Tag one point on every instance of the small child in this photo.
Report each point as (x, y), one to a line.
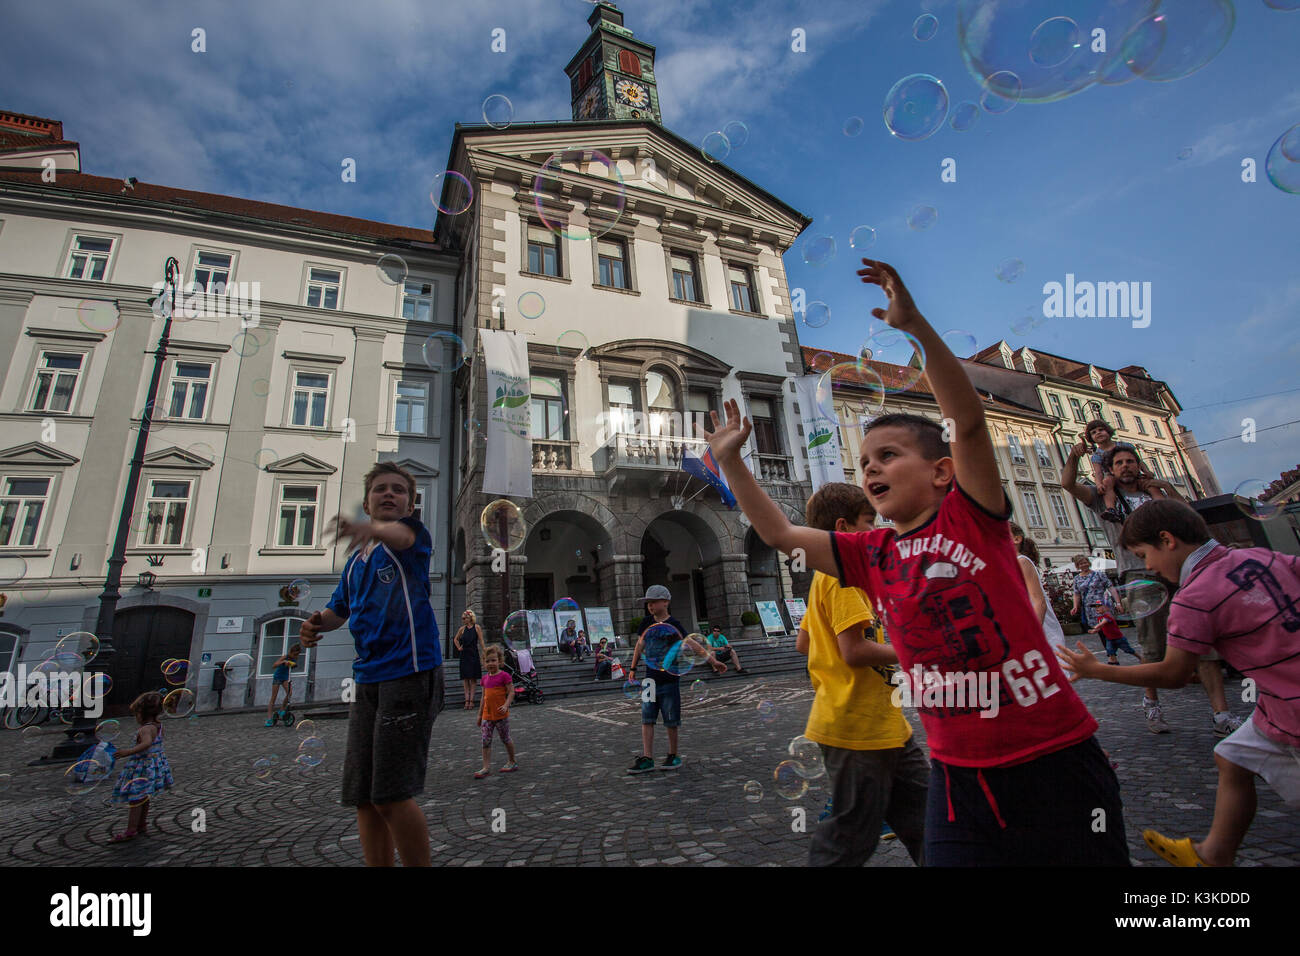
(1016, 774)
(280, 678)
(147, 771)
(1112, 638)
(494, 715)
(1101, 439)
(1245, 604)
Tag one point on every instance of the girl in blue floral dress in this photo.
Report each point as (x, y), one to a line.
(147, 770)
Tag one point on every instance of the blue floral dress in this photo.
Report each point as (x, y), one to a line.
(144, 774)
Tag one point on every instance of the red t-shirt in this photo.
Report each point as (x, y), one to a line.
(1110, 630)
(954, 602)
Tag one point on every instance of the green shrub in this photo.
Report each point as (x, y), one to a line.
(750, 618)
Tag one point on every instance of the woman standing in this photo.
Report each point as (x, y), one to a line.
(1091, 588)
(1034, 585)
(469, 644)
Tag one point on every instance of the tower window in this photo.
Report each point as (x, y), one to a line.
(629, 62)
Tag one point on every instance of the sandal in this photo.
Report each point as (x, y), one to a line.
(124, 836)
(1177, 852)
(510, 768)
(480, 774)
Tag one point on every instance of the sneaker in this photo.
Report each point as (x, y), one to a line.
(269, 722)
(509, 768)
(827, 810)
(741, 670)
(642, 764)
(1156, 720)
(887, 832)
(1225, 723)
(671, 762)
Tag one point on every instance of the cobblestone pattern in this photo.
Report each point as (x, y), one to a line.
(571, 802)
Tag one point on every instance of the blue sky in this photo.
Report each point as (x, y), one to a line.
(1091, 184)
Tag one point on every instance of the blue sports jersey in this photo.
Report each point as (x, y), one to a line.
(385, 599)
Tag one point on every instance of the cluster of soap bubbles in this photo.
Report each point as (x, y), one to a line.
(311, 749)
(889, 361)
(717, 145)
(793, 777)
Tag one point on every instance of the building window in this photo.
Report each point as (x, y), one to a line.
(88, 258)
(1155, 428)
(1056, 405)
(1032, 514)
(278, 636)
(1141, 428)
(549, 420)
(1078, 410)
(629, 62)
(661, 400)
(1017, 455)
(1059, 513)
(1174, 474)
(1119, 421)
(417, 301)
(1094, 411)
(310, 398)
(742, 288)
(323, 288)
(21, 508)
(543, 251)
(164, 512)
(417, 509)
(1040, 448)
(297, 516)
(765, 436)
(410, 408)
(699, 403)
(622, 407)
(212, 272)
(1155, 466)
(189, 391)
(56, 381)
(611, 258)
(684, 278)
(8, 652)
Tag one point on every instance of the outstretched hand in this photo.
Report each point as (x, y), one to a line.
(726, 440)
(358, 534)
(1079, 664)
(902, 311)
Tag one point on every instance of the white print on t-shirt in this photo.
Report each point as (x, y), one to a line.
(954, 551)
(964, 692)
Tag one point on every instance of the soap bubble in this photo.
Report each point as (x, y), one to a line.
(443, 351)
(1185, 153)
(632, 691)
(13, 568)
(1251, 497)
(107, 730)
(1009, 270)
(532, 305)
(299, 590)
(925, 27)
(392, 269)
(179, 703)
(900, 350)
(515, 629)
(1283, 161)
(822, 361)
(959, 342)
(1195, 33)
(238, 668)
(753, 791)
(922, 217)
(807, 756)
(503, 525)
(176, 673)
(306, 728)
(1001, 92)
(573, 167)
(681, 658)
(81, 643)
(565, 604)
(700, 690)
(817, 314)
(311, 751)
(789, 782)
(766, 711)
(1140, 598)
(498, 111)
(85, 775)
(262, 768)
(853, 126)
(737, 133)
(715, 146)
(1054, 41)
(818, 250)
(1140, 48)
(459, 193)
(846, 390)
(916, 106)
(571, 339)
(861, 237)
(137, 791)
(659, 642)
(964, 116)
(98, 316)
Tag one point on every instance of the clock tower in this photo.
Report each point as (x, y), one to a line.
(613, 76)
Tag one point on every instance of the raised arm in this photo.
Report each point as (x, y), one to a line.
(395, 534)
(1070, 476)
(973, 457)
(769, 521)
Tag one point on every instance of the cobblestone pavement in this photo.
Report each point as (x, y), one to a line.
(571, 802)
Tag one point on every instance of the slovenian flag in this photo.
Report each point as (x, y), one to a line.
(706, 469)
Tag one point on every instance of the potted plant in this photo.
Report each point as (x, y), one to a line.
(750, 626)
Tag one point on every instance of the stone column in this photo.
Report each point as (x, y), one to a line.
(735, 584)
(628, 591)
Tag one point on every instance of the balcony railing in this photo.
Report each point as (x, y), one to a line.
(658, 452)
(553, 455)
(772, 467)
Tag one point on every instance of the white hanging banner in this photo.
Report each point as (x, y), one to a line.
(509, 466)
(819, 435)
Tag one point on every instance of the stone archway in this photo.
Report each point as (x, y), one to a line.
(682, 550)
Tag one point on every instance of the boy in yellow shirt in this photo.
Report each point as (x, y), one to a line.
(877, 772)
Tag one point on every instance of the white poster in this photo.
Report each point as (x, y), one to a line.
(600, 623)
(819, 434)
(509, 466)
(796, 608)
(541, 628)
(770, 615)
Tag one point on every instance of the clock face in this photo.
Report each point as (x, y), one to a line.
(632, 93)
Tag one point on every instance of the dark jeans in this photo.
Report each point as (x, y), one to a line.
(867, 787)
(1063, 809)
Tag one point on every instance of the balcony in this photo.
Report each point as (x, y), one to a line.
(772, 467)
(549, 456)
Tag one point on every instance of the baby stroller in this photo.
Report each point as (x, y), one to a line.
(520, 667)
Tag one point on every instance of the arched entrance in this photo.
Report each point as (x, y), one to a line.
(144, 637)
(676, 548)
(565, 552)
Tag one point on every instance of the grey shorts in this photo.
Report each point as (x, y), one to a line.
(388, 738)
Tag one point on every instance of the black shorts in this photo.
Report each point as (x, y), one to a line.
(388, 738)
(1061, 809)
(723, 654)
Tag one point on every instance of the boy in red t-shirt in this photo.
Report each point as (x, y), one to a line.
(1016, 776)
(1112, 638)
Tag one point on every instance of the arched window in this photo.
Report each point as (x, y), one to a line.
(661, 403)
(629, 62)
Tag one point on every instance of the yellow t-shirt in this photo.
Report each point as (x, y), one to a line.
(852, 708)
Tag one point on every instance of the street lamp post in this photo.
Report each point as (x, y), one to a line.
(81, 733)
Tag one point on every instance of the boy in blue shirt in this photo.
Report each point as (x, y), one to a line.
(383, 596)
